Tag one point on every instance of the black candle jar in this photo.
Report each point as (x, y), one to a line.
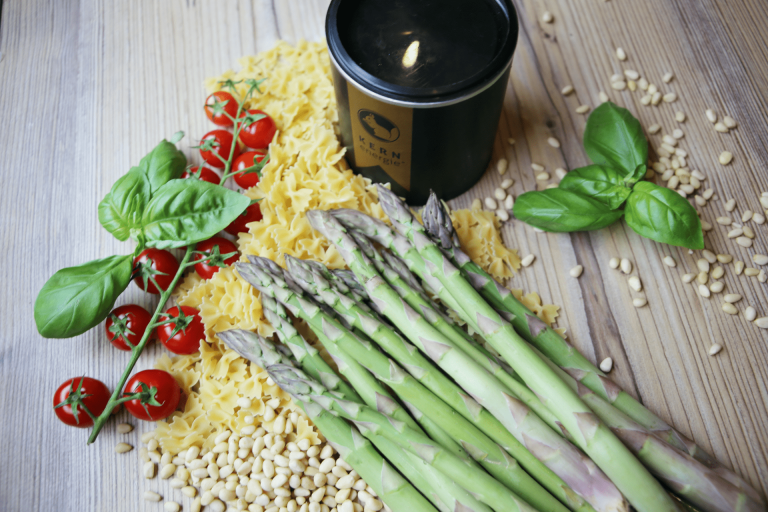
(420, 86)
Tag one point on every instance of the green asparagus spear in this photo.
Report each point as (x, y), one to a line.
(389, 485)
(438, 224)
(475, 480)
(420, 400)
(581, 475)
(603, 447)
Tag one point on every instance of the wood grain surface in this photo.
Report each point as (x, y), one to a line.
(87, 88)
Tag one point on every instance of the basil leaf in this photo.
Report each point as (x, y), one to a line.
(661, 214)
(614, 138)
(75, 299)
(600, 183)
(184, 212)
(162, 164)
(562, 210)
(121, 209)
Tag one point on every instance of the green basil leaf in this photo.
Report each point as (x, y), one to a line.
(600, 183)
(614, 138)
(121, 209)
(636, 176)
(184, 212)
(561, 211)
(661, 214)
(75, 299)
(162, 164)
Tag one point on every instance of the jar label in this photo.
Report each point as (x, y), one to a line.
(381, 135)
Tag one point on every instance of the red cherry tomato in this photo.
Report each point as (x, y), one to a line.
(156, 265)
(157, 399)
(219, 142)
(72, 397)
(207, 269)
(217, 105)
(258, 134)
(201, 173)
(187, 339)
(132, 322)
(240, 224)
(244, 161)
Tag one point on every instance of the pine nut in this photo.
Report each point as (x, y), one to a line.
(477, 204)
(149, 470)
(680, 116)
(124, 428)
(688, 189)
(682, 193)
(670, 97)
(734, 233)
(639, 302)
(668, 174)
(668, 139)
(730, 309)
(502, 214)
(668, 77)
(123, 448)
(718, 272)
(706, 226)
(576, 271)
(643, 84)
(583, 109)
(602, 97)
(547, 17)
(687, 278)
(738, 267)
(509, 202)
(747, 216)
(699, 176)
(758, 218)
(568, 89)
(725, 221)
(619, 86)
(542, 176)
(760, 259)
(732, 298)
(726, 157)
(750, 313)
(526, 262)
(631, 74)
(751, 272)
(673, 182)
(709, 255)
(654, 128)
(152, 496)
(717, 287)
(614, 263)
(707, 194)
(499, 194)
(764, 201)
(720, 127)
(677, 133)
(704, 291)
(490, 203)
(724, 258)
(551, 185)
(711, 116)
(744, 241)
(537, 167)
(606, 365)
(670, 261)
(553, 142)
(511, 141)
(762, 276)
(626, 266)
(621, 54)
(703, 265)
(635, 284)
(762, 322)
(748, 232)
(508, 182)
(171, 506)
(730, 205)
(560, 172)
(700, 201)
(715, 349)
(501, 166)
(616, 77)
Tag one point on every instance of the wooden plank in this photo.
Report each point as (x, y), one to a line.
(89, 87)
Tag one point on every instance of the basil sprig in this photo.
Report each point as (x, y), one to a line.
(155, 208)
(592, 197)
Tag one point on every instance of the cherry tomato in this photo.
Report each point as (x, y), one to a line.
(244, 161)
(220, 142)
(127, 322)
(258, 134)
(224, 246)
(219, 103)
(239, 225)
(187, 338)
(75, 395)
(154, 266)
(201, 173)
(156, 399)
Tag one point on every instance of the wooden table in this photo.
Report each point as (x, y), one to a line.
(87, 88)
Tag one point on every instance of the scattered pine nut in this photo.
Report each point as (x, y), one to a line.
(553, 142)
(500, 194)
(654, 128)
(668, 77)
(735, 233)
(688, 278)
(748, 232)
(124, 428)
(718, 272)
(639, 302)
(670, 97)
(542, 176)
(702, 277)
(560, 172)
(758, 218)
(709, 255)
(746, 216)
(149, 470)
(732, 298)
(123, 448)
(501, 166)
(635, 284)
(750, 313)
(621, 54)
(583, 109)
(477, 204)
(738, 267)
(568, 89)
(725, 221)
(724, 258)
(751, 272)
(606, 365)
(619, 86)
(626, 266)
(547, 17)
(715, 349)
(730, 309)
(490, 203)
(760, 259)
(729, 122)
(726, 157)
(717, 287)
(152, 496)
(526, 262)
(614, 263)
(703, 265)
(577, 271)
(721, 128)
(171, 506)
(762, 276)
(602, 97)
(509, 202)
(744, 241)
(700, 201)
(704, 291)
(762, 322)
(764, 201)
(508, 182)
(189, 491)
(537, 167)
(646, 100)
(711, 116)
(670, 261)
(502, 214)
(511, 141)
(631, 74)
(700, 176)
(680, 116)
(643, 84)
(551, 185)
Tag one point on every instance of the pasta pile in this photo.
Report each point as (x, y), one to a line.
(306, 170)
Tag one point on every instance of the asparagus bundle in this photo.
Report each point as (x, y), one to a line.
(390, 486)
(558, 455)
(482, 485)
(640, 488)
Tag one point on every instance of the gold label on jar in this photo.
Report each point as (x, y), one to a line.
(381, 135)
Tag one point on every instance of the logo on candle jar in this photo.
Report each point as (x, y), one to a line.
(378, 126)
